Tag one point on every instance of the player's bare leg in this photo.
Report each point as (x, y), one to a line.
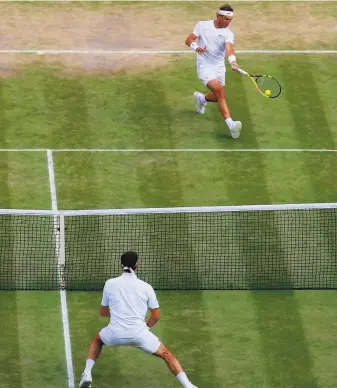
(218, 91)
(171, 361)
(218, 94)
(94, 352)
(174, 366)
(210, 97)
(95, 348)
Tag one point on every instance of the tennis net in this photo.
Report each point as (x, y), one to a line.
(205, 248)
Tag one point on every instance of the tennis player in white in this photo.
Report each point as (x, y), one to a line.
(213, 40)
(126, 300)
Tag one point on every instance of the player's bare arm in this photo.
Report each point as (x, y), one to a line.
(154, 317)
(191, 42)
(230, 52)
(104, 311)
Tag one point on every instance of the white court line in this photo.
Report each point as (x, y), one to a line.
(155, 52)
(149, 1)
(25, 150)
(93, 150)
(197, 150)
(63, 295)
(52, 184)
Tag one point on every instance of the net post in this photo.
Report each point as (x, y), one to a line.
(62, 255)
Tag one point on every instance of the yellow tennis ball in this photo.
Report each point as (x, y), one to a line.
(267, 92)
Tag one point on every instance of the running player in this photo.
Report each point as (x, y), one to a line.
(213, 40)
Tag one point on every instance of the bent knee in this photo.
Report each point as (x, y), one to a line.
(215, 86)
(98, 339)
(167, 355)
(164, 353)
(218, 90)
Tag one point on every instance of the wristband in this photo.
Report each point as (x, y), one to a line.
(194, 46)
(231, 58)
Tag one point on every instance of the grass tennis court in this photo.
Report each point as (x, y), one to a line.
(43, 108)
(246, 339)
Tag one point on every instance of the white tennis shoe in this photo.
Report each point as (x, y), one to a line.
(235, 130)
(86, 380)
(200, 106)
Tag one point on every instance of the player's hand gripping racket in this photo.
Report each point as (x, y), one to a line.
(267, 85)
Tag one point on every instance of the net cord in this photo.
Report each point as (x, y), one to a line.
(202, 209)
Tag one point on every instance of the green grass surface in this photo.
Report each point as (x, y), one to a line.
(241, 339)
(44, 108)
(32, 346)
(193, 179)
(223, 339)
(24, 181)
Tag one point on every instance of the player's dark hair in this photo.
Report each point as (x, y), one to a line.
(226, 7)
(129, 259)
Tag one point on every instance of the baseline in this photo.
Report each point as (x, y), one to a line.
(93, 150)
(150, 1)
(154, 52)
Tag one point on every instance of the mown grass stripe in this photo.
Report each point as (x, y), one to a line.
(160, 182)
(305, 104)
(41, 353)
(4, 162)
(10, 361)
(276, 345)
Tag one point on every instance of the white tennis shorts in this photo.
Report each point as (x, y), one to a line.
(206, 74)
(147, 342)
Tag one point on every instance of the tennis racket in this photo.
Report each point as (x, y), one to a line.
(267, 85)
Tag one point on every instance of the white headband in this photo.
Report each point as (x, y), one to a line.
(225, 13)
(125, 268)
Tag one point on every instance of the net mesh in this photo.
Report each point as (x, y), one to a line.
(218, 250)
(293, 249)
(28, 252)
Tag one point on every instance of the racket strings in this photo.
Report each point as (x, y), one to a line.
(267, 83)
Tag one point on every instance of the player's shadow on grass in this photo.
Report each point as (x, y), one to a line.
(220, 129)
(222, 135)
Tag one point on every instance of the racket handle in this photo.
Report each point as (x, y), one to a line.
(242, 72)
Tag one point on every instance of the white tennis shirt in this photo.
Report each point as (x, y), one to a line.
(214, 40)
(129, 299)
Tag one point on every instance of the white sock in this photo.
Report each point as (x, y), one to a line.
(202, 98)
(89, 365)
(184, 380)
(229, 122)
